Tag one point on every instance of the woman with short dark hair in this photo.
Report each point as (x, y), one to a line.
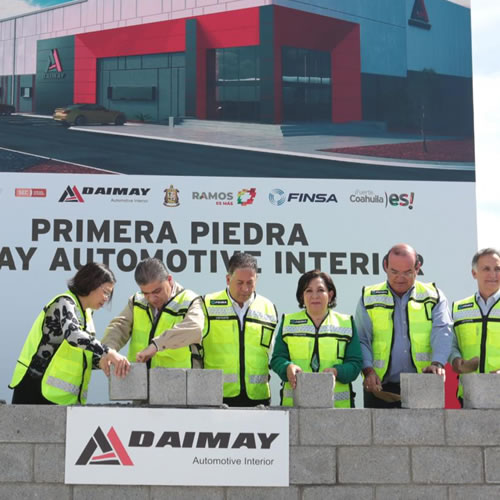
(56, 361)
(317, 339)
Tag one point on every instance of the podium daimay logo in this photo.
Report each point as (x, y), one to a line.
(111, 450)
(71, 195)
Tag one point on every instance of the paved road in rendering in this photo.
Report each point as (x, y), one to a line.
(129, 155)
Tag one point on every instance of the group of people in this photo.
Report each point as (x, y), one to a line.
(401, 325)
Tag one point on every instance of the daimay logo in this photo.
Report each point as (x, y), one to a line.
(278, 197)
(54, 66)
(111, 450)
(246, 196)
(419, 17)
(121, 193)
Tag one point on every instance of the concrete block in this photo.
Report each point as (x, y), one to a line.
(312, 465)
(32, 424)
(92, 492)
(476, 492)
(481, 390)
(16, 462)
(293, 427)
(290, 493)
(204, 387)
(14, 491)
(314, 390)
(332, 428)
(186, 493)
(374, 464)
(168, 386)
(422, 390)
(49, 463)
(492, 465)
(408, 427)
(411, 492)
(133, 387)
(472, 427)
(447, 465)
(338, 492)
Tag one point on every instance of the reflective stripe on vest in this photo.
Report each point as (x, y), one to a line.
(379, 303)
(222, 348)
(70, 367)
(329, 341)
(477, 335)
(144, 329)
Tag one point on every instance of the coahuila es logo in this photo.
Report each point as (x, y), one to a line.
(112, 451)
(122, 194)
(388, 199)
(278, 197)
(54, 67)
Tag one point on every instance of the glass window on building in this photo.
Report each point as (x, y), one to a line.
(306, 85)
(233, 84)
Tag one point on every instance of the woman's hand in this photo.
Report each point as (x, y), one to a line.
(291, 373)
(120, 363)
(146, 354)
(331, 370)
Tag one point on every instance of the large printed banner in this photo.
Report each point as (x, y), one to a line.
(53, 224)
(176, 447)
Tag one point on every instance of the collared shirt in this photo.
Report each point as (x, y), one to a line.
(241, 311)
(401, 361)
(485, 307)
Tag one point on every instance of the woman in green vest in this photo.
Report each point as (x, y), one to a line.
(57, 358)
(317, 339)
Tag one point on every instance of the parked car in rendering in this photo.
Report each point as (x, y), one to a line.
(7, 109)
(83, 114)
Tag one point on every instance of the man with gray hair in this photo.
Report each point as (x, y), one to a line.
(164, 321)
(404, 326)
(476, 320)
(239, 327)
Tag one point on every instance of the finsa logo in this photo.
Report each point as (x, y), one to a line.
(54, 67)
(112, 451)
(71, 194)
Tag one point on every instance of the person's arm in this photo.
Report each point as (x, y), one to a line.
(456, 361)
(119, 330)
(281, 356)
(188, 331)
(441, 334)
(349, 369)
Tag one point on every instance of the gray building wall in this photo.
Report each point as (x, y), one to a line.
(341, 454)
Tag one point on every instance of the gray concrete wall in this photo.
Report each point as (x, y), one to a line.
(341, 454)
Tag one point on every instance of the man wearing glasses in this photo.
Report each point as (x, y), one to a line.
(404, 326)
(164, 321)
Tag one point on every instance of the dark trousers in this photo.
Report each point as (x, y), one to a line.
(29, 392)
(371, 401)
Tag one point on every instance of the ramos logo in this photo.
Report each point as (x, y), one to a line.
(246, 196)
(112, 451)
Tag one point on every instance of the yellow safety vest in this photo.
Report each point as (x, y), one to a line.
(145, 328)
(477, 335)
(329, 342)
(243, 355)
(67, 377)
(379, 303)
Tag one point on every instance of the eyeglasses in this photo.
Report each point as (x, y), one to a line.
(406, 274)
(107, 293)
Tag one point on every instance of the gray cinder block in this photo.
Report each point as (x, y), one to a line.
(314, 390)
(204, 387)
(481, 390)
(133, 387)
(422, 390)
(168, 386)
